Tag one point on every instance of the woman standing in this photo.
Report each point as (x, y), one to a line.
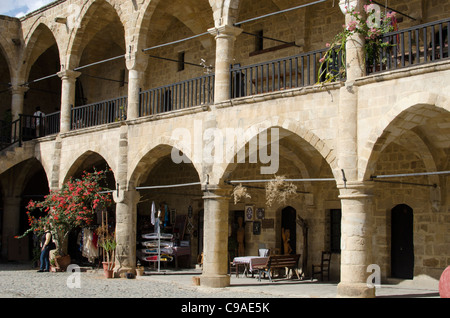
(45, 251)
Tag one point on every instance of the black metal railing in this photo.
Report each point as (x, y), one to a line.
(290, 72)
(100, 113)
(27, 127)
(52, 123)
(421, 44)
(193, 92)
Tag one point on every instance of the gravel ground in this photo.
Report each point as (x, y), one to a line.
(20, 281)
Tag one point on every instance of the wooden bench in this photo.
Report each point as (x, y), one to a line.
(279, 261)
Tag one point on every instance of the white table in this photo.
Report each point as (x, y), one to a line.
(248, 262)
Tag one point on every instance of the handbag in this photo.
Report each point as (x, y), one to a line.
(52, 245)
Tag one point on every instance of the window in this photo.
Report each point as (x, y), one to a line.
(335, 230)
(181, 61)
(259, 41)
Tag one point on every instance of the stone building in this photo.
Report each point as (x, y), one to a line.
(179, 93)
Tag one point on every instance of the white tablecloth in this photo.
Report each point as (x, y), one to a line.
(250, 261)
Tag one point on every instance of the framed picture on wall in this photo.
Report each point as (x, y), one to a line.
(256, 228)
(260, 213)
(249, 212)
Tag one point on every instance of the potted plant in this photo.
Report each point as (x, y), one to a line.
(108, 243)
(74, 205)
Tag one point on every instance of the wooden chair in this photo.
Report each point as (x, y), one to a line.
(324, 267)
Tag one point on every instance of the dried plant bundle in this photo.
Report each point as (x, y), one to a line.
(279, 191)
(239, 193)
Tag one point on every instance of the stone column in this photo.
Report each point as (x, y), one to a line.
(348, 101)
(356, 234)
(67, 97)
(134, 85)
(126, 220)
(356, 241)
(136, 65)
(355, 57)
(18, 94)
(225, 37)
(11, 225)
(215, 247)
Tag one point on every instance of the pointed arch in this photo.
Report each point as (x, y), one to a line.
(298, 141)
(40, 39)
(148, 158)
(87, 161)
(406, 117)
(94, 16)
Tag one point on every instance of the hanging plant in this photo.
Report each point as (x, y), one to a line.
(280, 191)
(240, 193)
(372, 28)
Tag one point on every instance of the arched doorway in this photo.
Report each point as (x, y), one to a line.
(402, 245)
(288, 223)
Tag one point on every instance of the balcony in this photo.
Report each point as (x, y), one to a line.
(418, 45)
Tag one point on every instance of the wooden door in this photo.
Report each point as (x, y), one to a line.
(402, 246)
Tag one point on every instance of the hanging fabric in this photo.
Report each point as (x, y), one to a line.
(90, 248)
(152, 213)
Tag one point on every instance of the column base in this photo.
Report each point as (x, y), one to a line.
(217, 281)
(355, 290)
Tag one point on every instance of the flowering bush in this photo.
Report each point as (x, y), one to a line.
(72, 206)
(371, 28)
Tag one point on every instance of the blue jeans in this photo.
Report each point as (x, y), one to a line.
(45, 259)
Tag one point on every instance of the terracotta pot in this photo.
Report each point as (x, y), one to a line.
(108, 270)
(63, 262)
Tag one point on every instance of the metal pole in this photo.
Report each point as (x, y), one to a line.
(177, 41)
(288, 180)
(410, 174)
(278, 12)
(169, 186)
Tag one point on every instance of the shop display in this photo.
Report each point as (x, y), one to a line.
(159, 247)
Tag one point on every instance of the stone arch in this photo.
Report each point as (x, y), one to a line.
(189, 12)
(406, 115)
(87, 160)
(19, 156)
(10, 54)
(228, 12)
(287, 127)
(149, 157)
(39, 40)
(81, 35)
(15, 178)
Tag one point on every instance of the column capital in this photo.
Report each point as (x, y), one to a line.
(225, 31)
(18, 89)
(136, 61)
(217, 192)
(69, 74)
(355, 190)
(126, 196)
